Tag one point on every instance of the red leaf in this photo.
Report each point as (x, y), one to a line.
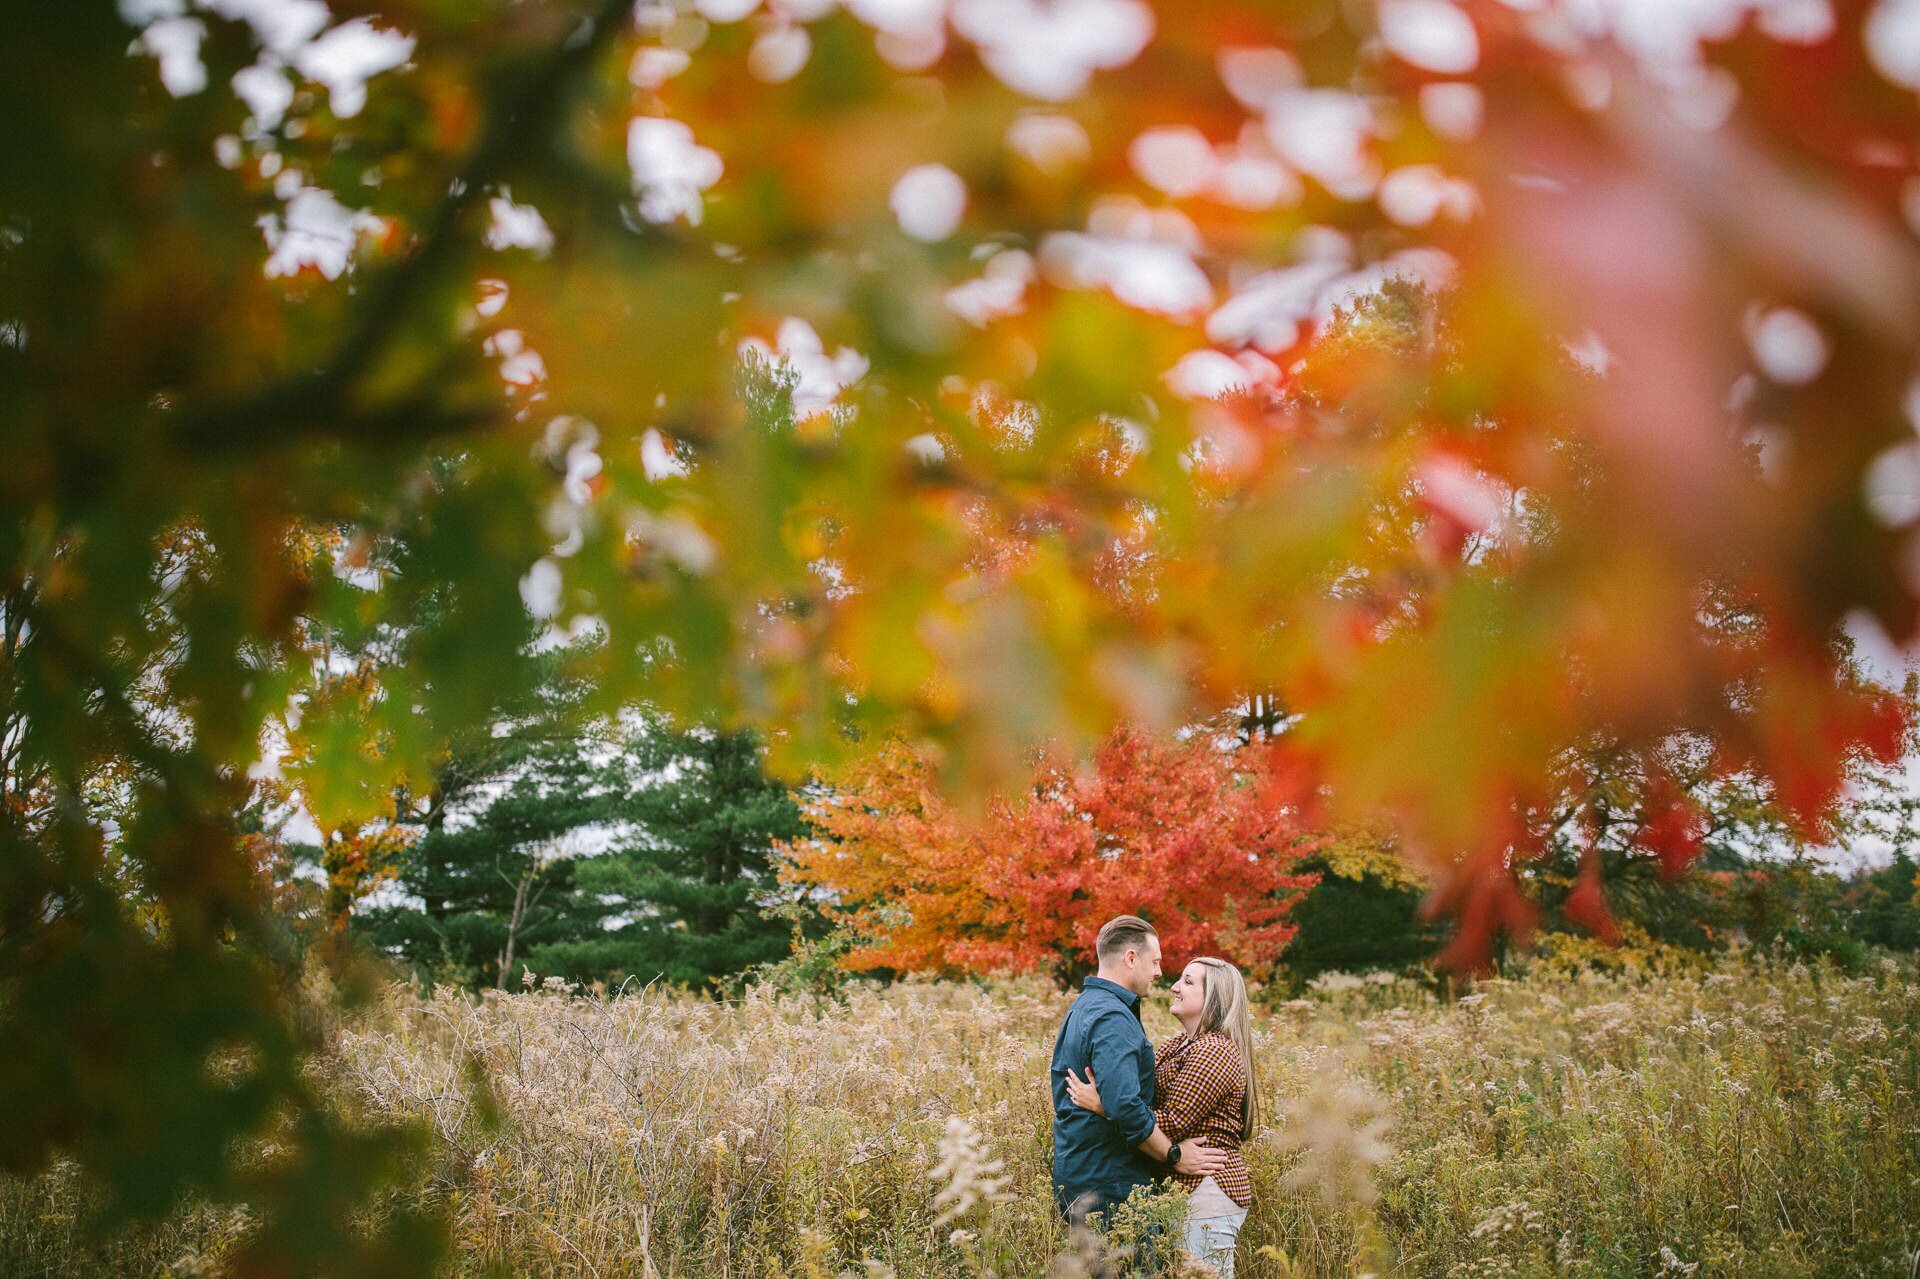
(1881, 726)
(1482, 895)
(1671, 828)
(1587, 906)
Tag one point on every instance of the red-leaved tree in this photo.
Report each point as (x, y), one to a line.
(1176, 831)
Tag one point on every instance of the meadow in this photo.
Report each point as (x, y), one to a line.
(1758, 1117)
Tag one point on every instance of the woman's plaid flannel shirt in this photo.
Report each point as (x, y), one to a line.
(1200, 1089)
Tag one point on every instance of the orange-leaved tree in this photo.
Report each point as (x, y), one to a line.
(1176, 830)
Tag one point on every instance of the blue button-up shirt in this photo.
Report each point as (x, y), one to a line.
(1092, 1154)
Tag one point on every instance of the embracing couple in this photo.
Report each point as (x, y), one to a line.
(1125, 1115)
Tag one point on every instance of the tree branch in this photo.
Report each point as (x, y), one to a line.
(321, 400)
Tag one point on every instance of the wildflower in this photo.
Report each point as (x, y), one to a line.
(969, 1175)
(816, 1253)
(1518, 1217)
(1338, 1129)
(1670, 1263)
(1335, 983)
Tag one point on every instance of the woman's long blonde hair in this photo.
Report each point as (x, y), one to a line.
(1224, 1009)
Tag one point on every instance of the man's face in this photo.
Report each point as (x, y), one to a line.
(1143, 967)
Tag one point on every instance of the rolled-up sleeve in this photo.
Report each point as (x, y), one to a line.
(1117, 1048)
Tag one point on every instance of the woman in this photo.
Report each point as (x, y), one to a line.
(1205, 1087)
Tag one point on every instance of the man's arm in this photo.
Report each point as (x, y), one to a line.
(1196, 1157)
(1114, 1044)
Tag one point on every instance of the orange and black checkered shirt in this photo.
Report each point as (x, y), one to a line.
(1200, 1089)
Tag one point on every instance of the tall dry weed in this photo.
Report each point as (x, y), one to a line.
(1761, 1119)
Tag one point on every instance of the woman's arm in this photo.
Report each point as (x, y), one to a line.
(1085, 1093)
(1197, 1158)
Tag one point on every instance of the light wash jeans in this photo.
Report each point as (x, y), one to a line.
(1210, 1240)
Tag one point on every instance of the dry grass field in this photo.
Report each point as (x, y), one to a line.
(1759, 1118)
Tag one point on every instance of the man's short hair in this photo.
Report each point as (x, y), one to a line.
(1121, 934)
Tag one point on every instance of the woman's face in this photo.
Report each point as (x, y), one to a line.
(1190, 991)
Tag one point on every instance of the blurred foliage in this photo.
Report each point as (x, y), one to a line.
(315, 381)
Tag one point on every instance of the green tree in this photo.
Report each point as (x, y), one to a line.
(685, 891)
(1364, 914)
(598, 852)
(1883, 903)
(1694, 851)
(493, 876)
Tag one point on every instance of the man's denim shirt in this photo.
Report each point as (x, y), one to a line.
(1102, 1030)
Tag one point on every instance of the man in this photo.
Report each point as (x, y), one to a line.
(1098, 1160)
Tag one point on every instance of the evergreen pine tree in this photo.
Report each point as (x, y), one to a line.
(686, 888)
(491, 877)
(597, 852)
(1884, 902)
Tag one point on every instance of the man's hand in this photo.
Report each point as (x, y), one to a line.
(1197, 1159)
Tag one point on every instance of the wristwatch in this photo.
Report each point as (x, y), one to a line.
(1173, 1155)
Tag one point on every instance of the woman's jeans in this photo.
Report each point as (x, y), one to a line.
(1210, 1241)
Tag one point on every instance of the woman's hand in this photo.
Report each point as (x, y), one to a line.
(1084, 1093)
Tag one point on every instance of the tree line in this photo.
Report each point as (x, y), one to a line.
(633, 851)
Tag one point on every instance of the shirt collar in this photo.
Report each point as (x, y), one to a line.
(1127, 997)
